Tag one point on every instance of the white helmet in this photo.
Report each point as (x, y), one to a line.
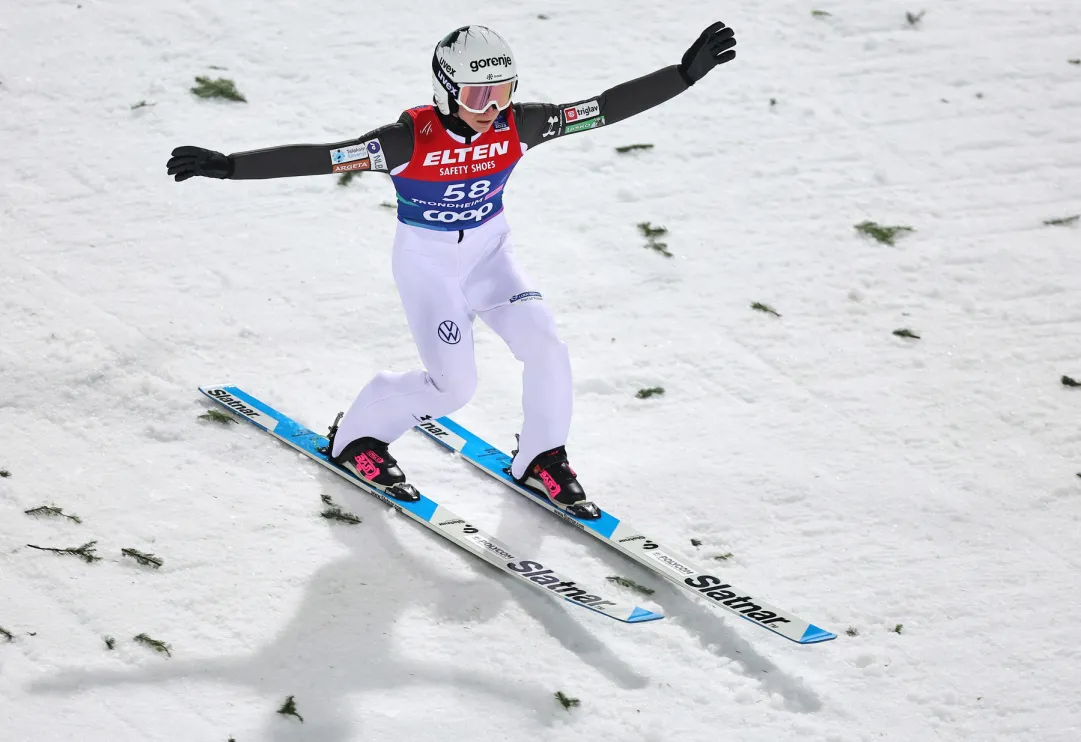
(470, 55)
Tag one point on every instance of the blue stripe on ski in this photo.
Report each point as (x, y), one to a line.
(815, 634)
(641, 614)
(311, 442)
(495, 461)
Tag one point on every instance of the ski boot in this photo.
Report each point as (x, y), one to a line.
(369, 461)
(550, 476)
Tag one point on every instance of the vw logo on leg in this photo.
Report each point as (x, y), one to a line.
(449, 333)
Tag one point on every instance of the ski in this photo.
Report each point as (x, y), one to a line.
(646, 551)
(427, 512)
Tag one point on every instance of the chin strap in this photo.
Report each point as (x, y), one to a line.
(454, 124)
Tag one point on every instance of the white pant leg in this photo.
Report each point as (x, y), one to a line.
(426, 273)
(504, 298)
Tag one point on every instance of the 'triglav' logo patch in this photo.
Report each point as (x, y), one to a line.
(581, 111)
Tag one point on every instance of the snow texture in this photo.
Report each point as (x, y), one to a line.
(858, 478)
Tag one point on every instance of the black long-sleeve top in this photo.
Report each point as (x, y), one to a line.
(537, 123)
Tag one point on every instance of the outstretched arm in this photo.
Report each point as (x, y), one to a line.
(542, 122)
(379, 150)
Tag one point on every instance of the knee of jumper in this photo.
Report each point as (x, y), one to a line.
(538, 342)
(454, 390)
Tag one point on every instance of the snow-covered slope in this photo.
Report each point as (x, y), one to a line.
(860, 479)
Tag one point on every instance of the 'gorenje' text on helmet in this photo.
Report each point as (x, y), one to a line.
(470, 55)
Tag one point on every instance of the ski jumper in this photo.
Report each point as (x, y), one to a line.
(453, 259)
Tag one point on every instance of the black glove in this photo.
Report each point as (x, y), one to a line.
(189, 161)
(712, 48)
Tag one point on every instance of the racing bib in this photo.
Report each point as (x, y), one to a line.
(448, 185)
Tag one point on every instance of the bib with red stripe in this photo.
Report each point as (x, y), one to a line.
(448, 185)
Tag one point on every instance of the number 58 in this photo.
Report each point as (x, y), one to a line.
(456, 191)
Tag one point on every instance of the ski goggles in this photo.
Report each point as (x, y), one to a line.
(479, 98)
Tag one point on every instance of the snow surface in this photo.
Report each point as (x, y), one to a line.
(859, 479)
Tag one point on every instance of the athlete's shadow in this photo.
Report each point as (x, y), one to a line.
(341, 643)
(712, 629)
(715, 633)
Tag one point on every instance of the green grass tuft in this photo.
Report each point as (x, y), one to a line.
(915, 18)
(765, 308)
(52, 511)
(651, 234)
(220, 88)
(1067, 381)
(110, 643)
(147, 560)
(289, 708)
(652, 391)
(820, 14)
(897, 629)
(724, 557)
(631, 584)
(695, 542)
(84, 552)
(4, 473)
(904, 332)
(885, 235)
(1066, 221)
(566, 701)
(852, 631)
(649, 231)
(334, 512)
(155, 644)
(632, 147)
(8, 636)
(345, 178)
(216, 416)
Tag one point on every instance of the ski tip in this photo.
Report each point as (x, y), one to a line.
(814, 634)
(639, 615)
